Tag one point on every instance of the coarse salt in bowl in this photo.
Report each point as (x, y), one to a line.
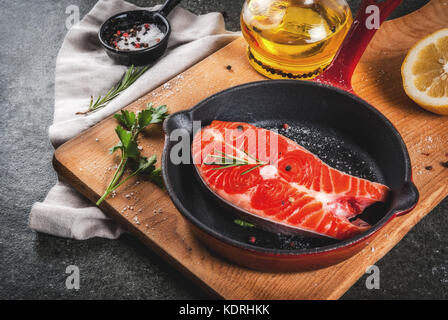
(138, 37)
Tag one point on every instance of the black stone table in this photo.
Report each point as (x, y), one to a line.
(33, 265)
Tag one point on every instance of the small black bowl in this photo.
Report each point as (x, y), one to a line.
(128, 19)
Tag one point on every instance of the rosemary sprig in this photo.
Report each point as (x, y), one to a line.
(229, 161)
(128, 79)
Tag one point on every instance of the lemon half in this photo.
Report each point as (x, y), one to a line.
(425, 72)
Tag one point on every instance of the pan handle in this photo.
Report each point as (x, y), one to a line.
(177, 120)
(340, 72)
(168, 6)
(407, 199)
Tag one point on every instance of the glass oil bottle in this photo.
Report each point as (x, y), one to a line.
(294, 39)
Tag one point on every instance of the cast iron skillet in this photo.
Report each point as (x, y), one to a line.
(325, 117)
(127, 19)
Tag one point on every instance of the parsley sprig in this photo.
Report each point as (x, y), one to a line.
(128, 79)
(130, 126)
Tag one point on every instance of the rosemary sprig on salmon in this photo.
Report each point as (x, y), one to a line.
(229, 161)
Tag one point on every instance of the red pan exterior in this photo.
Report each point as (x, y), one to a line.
(269, 262)
(280, 263)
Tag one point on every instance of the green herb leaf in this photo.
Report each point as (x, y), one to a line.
(151, 116)
(126, 119)
(156, 177)
(144, 118)
(128, 146)
(243, 223)
(146, 165)
(128, 131)
(147, 169)
(159, 113)
(124, 136)
(118, 146)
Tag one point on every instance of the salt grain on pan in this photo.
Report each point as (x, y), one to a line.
(136, 220)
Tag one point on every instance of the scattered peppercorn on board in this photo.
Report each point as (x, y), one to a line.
(147, 212)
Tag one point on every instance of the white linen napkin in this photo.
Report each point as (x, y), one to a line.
(83, 69)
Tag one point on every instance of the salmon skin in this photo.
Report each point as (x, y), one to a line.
(273, 178)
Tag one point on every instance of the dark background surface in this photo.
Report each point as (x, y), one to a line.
(33, 265)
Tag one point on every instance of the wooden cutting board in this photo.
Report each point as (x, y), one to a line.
(148, 213)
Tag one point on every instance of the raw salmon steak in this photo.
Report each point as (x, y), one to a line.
(272, 177)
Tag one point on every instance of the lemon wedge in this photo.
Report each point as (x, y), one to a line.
(425, 72)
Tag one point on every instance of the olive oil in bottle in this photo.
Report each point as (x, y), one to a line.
(294, 39)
